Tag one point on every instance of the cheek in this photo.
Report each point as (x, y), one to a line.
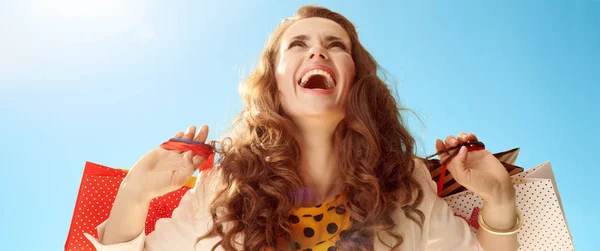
(348, 69)
(284, 74)
(281, 78)
(351, 72)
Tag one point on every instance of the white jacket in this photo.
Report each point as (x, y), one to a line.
(441, 229)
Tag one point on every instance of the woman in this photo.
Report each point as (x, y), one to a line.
(320, 161)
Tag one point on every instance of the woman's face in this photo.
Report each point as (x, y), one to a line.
(314, 69)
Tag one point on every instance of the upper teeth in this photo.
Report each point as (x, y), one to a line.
(307, 75)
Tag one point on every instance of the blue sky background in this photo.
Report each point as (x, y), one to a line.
(106, 81)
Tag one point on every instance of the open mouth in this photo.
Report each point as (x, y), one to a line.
(317, 79)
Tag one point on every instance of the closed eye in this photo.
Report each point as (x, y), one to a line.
(296, 43)
(338, 44)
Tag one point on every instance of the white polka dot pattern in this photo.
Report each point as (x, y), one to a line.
(544, 226)
(99, 187)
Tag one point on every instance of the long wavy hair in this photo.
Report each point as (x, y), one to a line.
(257, 164)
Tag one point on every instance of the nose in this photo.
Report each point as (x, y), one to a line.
(319, 52)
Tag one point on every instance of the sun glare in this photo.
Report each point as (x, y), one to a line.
(86, 9)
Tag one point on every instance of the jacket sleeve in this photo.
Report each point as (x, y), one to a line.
(189, 220)
(443, 230)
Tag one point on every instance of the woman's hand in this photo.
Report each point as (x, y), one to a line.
(161, 171)
(478, 171)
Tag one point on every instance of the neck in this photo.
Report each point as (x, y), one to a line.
(319, 166)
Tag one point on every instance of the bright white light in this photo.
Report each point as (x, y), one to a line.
(85, 9)
(98, 16)
(50, 34)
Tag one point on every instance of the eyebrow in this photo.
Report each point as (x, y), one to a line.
(299, 38)
(332, 38)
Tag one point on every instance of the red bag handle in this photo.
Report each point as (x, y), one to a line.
(198, 148)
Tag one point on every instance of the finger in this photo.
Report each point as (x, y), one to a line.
(462, 138)
(461, 157)
(451, 141)
(198, 160)
(189, 134)
(472, 137)
(458, 166)
(182, 174)
(202, 134)
(439, 146)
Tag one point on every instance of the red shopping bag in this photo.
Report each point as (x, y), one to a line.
(97, 192)
(99, 187)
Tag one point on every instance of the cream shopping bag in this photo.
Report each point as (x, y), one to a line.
(545, 225)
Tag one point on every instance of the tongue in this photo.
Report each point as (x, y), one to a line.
(316, 82)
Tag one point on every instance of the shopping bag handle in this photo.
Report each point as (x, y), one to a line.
(198, 148)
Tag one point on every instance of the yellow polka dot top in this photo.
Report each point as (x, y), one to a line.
(317, 228)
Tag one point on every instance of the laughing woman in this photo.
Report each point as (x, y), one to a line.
(319, 160)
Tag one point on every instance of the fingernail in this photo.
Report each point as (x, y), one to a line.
(452, 141)
(462, 150)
